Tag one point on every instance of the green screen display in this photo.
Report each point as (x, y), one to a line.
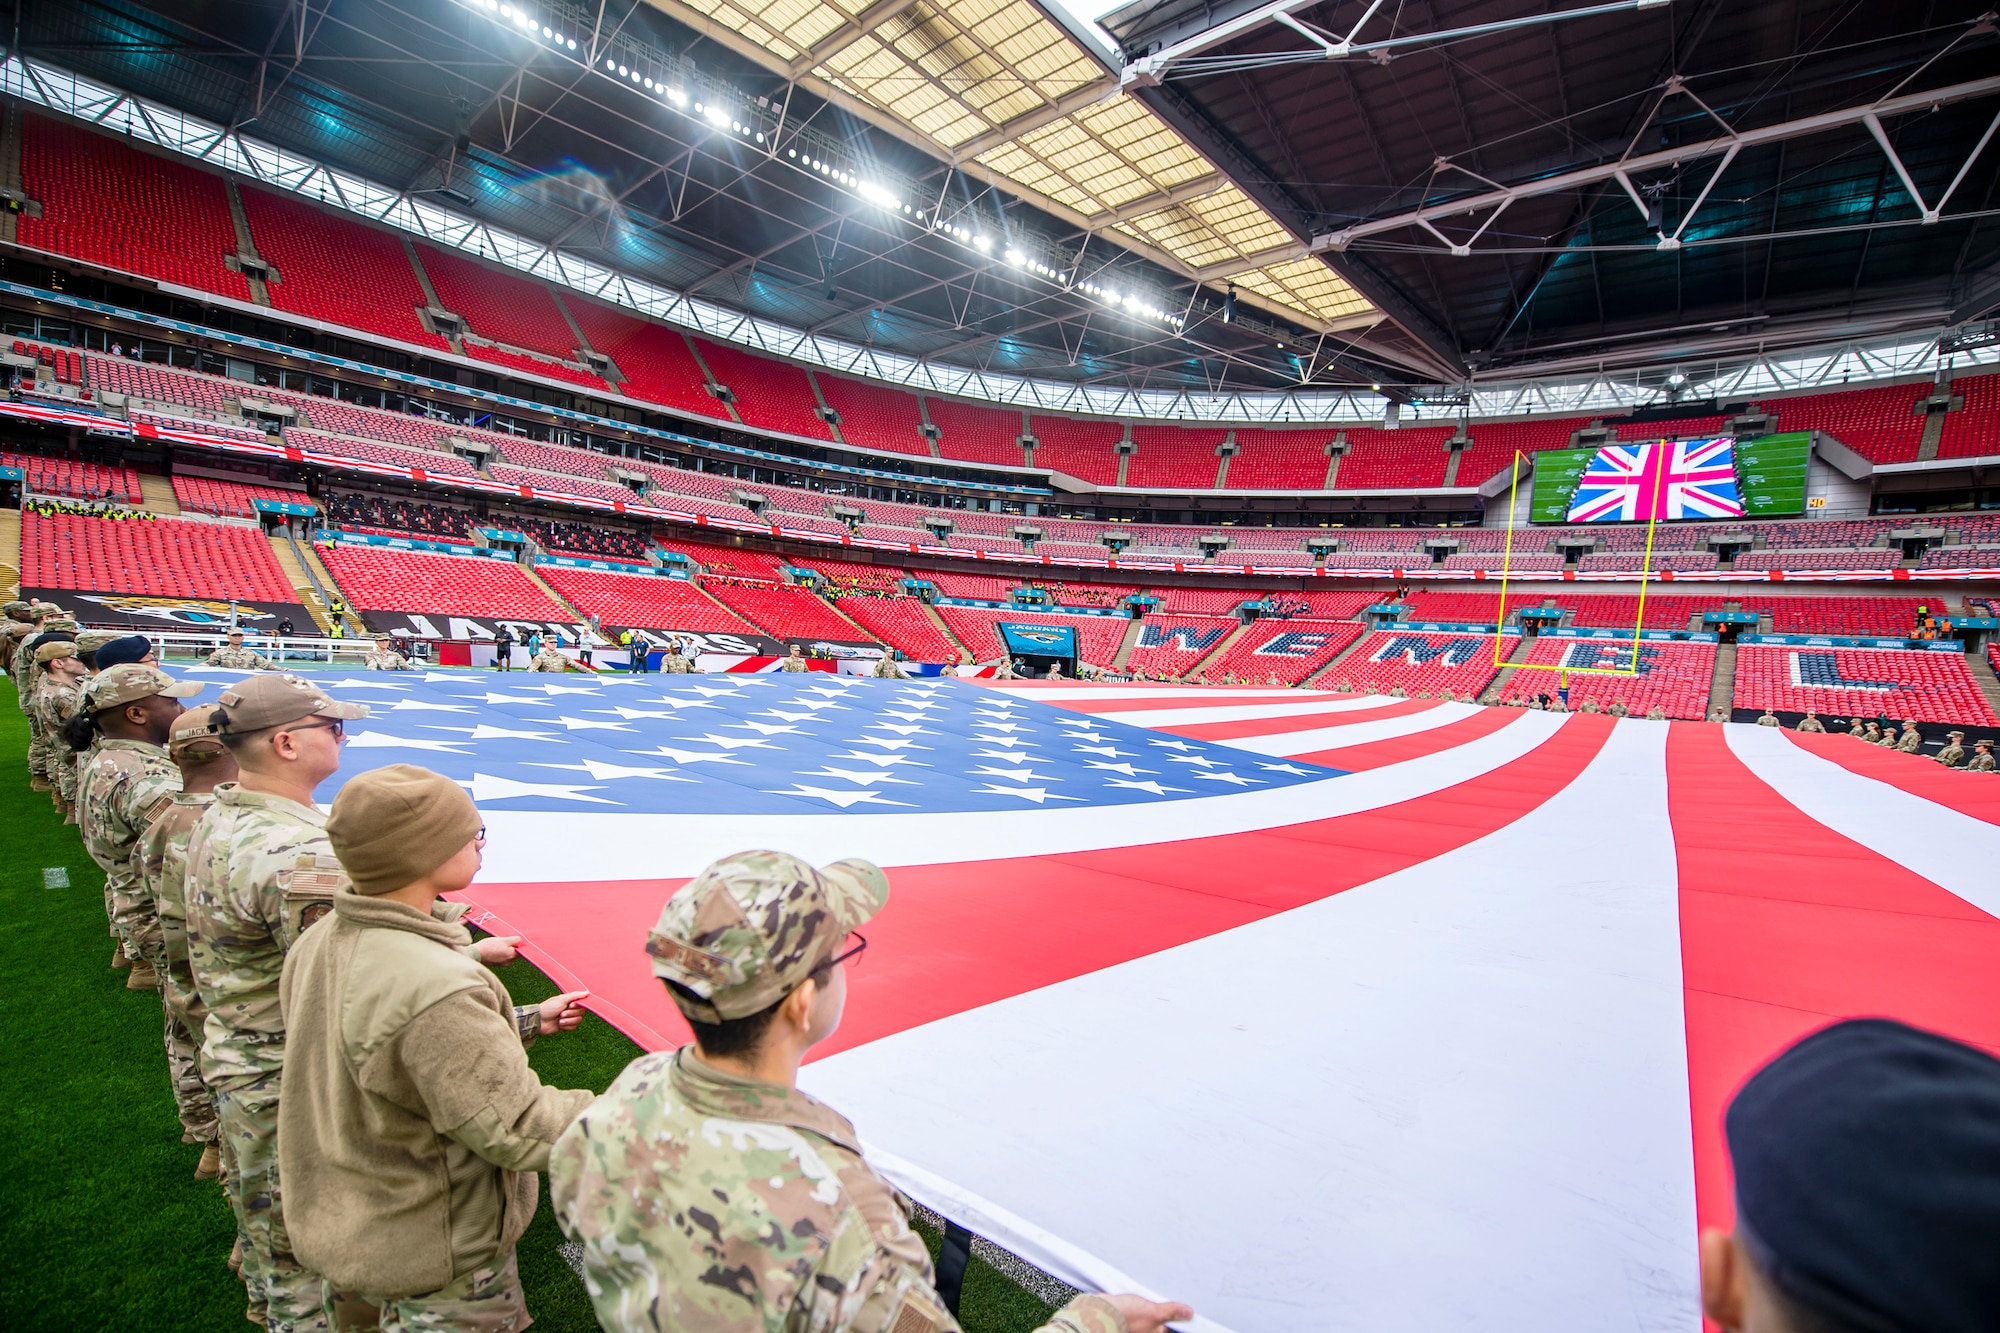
(1770, 476)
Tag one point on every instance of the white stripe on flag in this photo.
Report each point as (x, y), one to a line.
(1054, 692)
(1360, 733)
(1953, 851)
(1291, 707)
(1455, 1097)
(533, 845)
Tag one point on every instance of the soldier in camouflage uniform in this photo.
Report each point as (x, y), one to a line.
(1982, 758)
(794, 661)
(1767, 718)
(124, 786)
(259, 872)
(1912, 740)
(549, 659)
(385, 658)
(1810, 722)
(1953, 753)
(56, 700)
(236, 657)
(889, 668)
(707, 1191)
(673, 663)
(15, 625)
(1589, 705)
(203, 761)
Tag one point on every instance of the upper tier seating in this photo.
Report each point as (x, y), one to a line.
(1864, 682)
(1680, 428)
(1494, 445)
(1879, 424)
(529, 365)
(1174, 456)
(784, 611)
(642, 601)
(875, 417)
(1675, 676)
(336, 269)
(1290, 650)
(552, 457)
(1974, 430)
(497, 304)
(974, 434)
(1616, 611)
(654, 359)
(845, 576)
(1458, 608)
(1279, 460)
(1085, 447)
(729, 561)
(75, 479)
(107, 203)
(1528, 562)
(1097, 637)
(1070, 551)
(142, 379)
(1840, 615)
(1845, 558)
(1266, 558)
(567, 484)
(156, 558)
(375, 578)
(1384, 459)
(902, 623)
(374, 451)
(174, 419)
(1462, 663)
(229, 499)
(65, 362)
(1173, 644)
(1961, 557)
(1632, 561)
(770, 395)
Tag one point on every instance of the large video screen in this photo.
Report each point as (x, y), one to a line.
(1698, 480)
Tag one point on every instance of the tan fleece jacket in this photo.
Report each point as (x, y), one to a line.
(411, 1126)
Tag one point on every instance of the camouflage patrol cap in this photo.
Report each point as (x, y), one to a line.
(92, 639)
(12, 607)
(50, 651)
(62, 620)
(275, 698)
(194, 732)
(1955, 735)
(132, 682)
(745, 932)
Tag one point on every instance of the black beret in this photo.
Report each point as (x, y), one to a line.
(1867, 1165)
(131, 648)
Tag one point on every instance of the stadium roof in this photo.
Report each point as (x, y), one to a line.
(995, 187)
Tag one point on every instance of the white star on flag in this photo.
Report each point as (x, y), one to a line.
(1126, 769)
(1200, 759)
(1234, 779)
(570, 689)
(789, 717)
(1035, 794)
(999, 726)
(376, 740)
(689, 756)
(1182, 746)
(1293, 769)
(1149, 785)
(726, 742)
(632, 714)
(765, 728)
(487, 732)
(494, 697)
(863, 775)
(602, 771)
(817, 704)
(585, 724)
(486, 787)
(879, 760)
(1014, 774)
(902, 730)
(843, 799)
(1108, 751)
(1083, 736)
(1011, 756)
(886, 743)
(369, 684)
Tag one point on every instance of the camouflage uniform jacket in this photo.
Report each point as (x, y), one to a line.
(793, 664)
(162, 861)
(12, 632)
(673, 664)
(387, 662)
(1911, 742)
(124, 788)
(55, 703)
(891, 669)
(1811, 724)
(1982, 763)
(259, 871)
(712, 1202)
(1952, 755)
(236, 659)
(549, 659)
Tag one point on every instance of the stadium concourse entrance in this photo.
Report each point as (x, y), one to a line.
(1039, 649)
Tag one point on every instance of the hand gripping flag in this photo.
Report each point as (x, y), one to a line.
(1660, 479)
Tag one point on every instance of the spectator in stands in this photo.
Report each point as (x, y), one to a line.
(503, 649)
(286, 629)
(1810, 722)
(411, 1126)
(752, 953)
(1912, 740)
(1867, 1188)
(235, 657)
(1768, 719)
(1953, 753)
(1982, 757)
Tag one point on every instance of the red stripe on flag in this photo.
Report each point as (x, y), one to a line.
(1973, 794)
(1402, 749)
(1786, 926)
(958, 936)
(1279, 726)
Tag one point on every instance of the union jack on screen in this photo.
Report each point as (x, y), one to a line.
(1659, 479)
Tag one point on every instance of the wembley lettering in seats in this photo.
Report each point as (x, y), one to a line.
(1608, 657)
(1293, 643)
(1180, 638)
(1417, 650)
(1823, 669)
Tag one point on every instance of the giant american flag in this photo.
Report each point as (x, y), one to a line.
(1660, 479)
(1319, 1011)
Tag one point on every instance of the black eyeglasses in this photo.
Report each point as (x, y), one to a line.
(336, 726)
(852, 954)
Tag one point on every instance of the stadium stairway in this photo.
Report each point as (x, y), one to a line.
(10, 554)
(1324, 672)
(554, 596)
(1494, 692)
(1722, 689)
(304, 585)
(1126, 645)
(965, 654)
(157, 494)
(1980, 665)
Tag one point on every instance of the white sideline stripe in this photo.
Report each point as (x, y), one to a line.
(1453, 1098)
(1293, 707)
(1953, 851)
(1159, 692)
(1360, 733)
(556, 844)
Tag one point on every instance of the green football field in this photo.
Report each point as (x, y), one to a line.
(101, 1220)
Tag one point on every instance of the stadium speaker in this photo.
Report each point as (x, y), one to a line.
(1229, 306)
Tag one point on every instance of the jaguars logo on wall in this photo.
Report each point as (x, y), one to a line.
(178, 610)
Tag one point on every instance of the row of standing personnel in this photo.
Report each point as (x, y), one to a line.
(332, 1025)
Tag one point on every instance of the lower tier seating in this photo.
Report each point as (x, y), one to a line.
(784, 610)
(642, 601)
(1864, 682)
(1673, 676)
(734, 561)
(1462, 663)
(1097, 637)
(1841, 615)
(74, 479)
(376, 579)
(1173, 644)
(229, 499)
(1460, 608)
(157, 558)
(902, 623)
(1285, 650)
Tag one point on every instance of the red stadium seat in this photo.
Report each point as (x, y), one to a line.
(642, 601)
(1462, 663)
(377, 579)
(1291, 650)
(1673, 676)
(158, 558)
(1848, 682)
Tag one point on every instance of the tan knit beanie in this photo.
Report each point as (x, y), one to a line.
(394, 825)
